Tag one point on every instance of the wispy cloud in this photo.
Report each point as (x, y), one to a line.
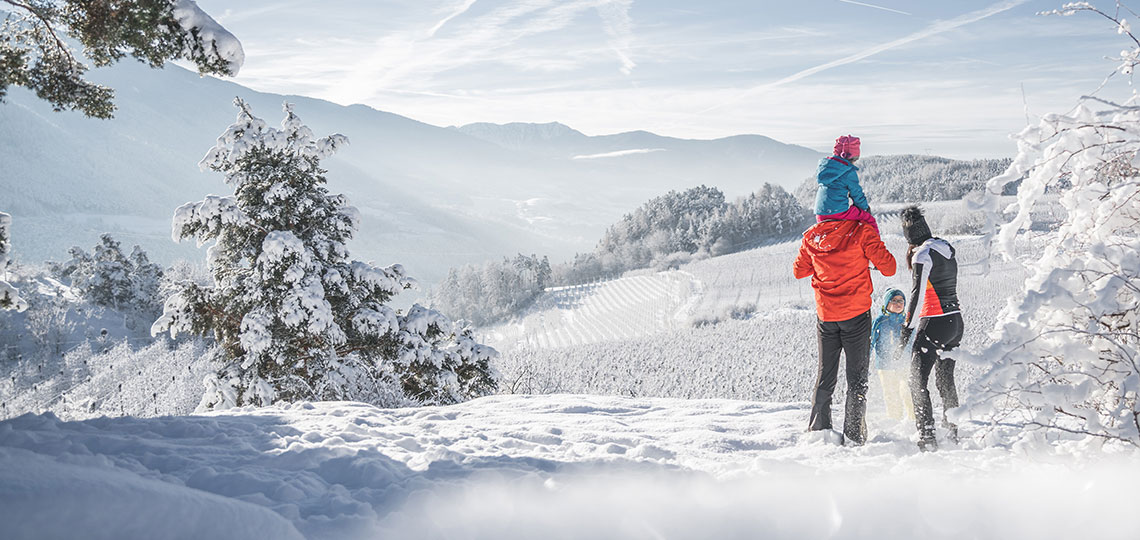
(874, 6)
(934, 29)
(604, 67)
(522, 37)
(619, 26)
(460, 10)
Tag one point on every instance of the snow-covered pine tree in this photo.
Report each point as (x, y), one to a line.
(106, 277)
(296, 318)
(1068, 355)
(9, 296)
(145, 283)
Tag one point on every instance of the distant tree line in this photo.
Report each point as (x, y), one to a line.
(666, 231)
(676, 227)
(913, 178)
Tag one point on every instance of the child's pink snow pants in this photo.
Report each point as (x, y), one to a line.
(855, 214)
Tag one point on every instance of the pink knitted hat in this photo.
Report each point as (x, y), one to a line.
(847, 146)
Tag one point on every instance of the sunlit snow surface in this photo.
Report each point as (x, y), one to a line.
(558, 466)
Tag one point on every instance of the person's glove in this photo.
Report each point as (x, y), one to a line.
(905, 338)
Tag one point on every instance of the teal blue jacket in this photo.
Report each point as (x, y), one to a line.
(838, 182)
(886, 332)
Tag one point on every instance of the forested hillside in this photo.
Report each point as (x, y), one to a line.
(914, 178)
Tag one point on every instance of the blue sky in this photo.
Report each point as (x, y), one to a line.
(907, 76)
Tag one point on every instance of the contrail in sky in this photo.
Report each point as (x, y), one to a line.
(874, 6)
(934, 29)
(462, 9)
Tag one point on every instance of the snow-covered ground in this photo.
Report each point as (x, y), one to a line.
(563, 466)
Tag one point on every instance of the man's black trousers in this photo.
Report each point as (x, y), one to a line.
(853, 338)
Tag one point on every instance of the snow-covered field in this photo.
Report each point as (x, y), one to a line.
(637, 305)
(565, 466)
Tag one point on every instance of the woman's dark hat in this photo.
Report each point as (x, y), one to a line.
(914, 226)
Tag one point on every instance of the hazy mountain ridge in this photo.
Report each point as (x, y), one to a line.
(560, 140)
(431, 197)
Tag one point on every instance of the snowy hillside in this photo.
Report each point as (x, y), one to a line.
(737, 326)
(127, 175)
(752, 282)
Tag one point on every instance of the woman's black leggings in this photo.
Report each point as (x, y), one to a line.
(935, 335)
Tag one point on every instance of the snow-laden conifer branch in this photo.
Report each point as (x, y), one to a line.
(1066, 356)
(152, 31)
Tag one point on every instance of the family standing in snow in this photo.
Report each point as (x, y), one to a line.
(836, 252)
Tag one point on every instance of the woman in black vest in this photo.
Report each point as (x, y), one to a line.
(933, 310)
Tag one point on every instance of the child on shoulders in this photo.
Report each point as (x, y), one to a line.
(840, 196)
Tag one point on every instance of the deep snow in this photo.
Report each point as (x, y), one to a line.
(558, 466)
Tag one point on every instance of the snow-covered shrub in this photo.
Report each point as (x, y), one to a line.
(731, 312)
(1068, 355)
(9, 296)
(48, 322)
(108, 278)
(296, 317)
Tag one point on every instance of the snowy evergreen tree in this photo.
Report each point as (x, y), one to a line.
(1068, 357)
(34, 55)
(9, 296)
(298, 319)
(106, 277)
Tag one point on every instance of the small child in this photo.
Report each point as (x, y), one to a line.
(886, 333)
(838, 182)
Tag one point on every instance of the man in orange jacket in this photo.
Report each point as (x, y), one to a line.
(836, 254)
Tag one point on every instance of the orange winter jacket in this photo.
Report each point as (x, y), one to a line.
(835, 255)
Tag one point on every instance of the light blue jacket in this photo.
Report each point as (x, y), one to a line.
(838, 182)
(886, 332)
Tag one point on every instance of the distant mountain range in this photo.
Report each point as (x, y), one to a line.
(431, 197)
